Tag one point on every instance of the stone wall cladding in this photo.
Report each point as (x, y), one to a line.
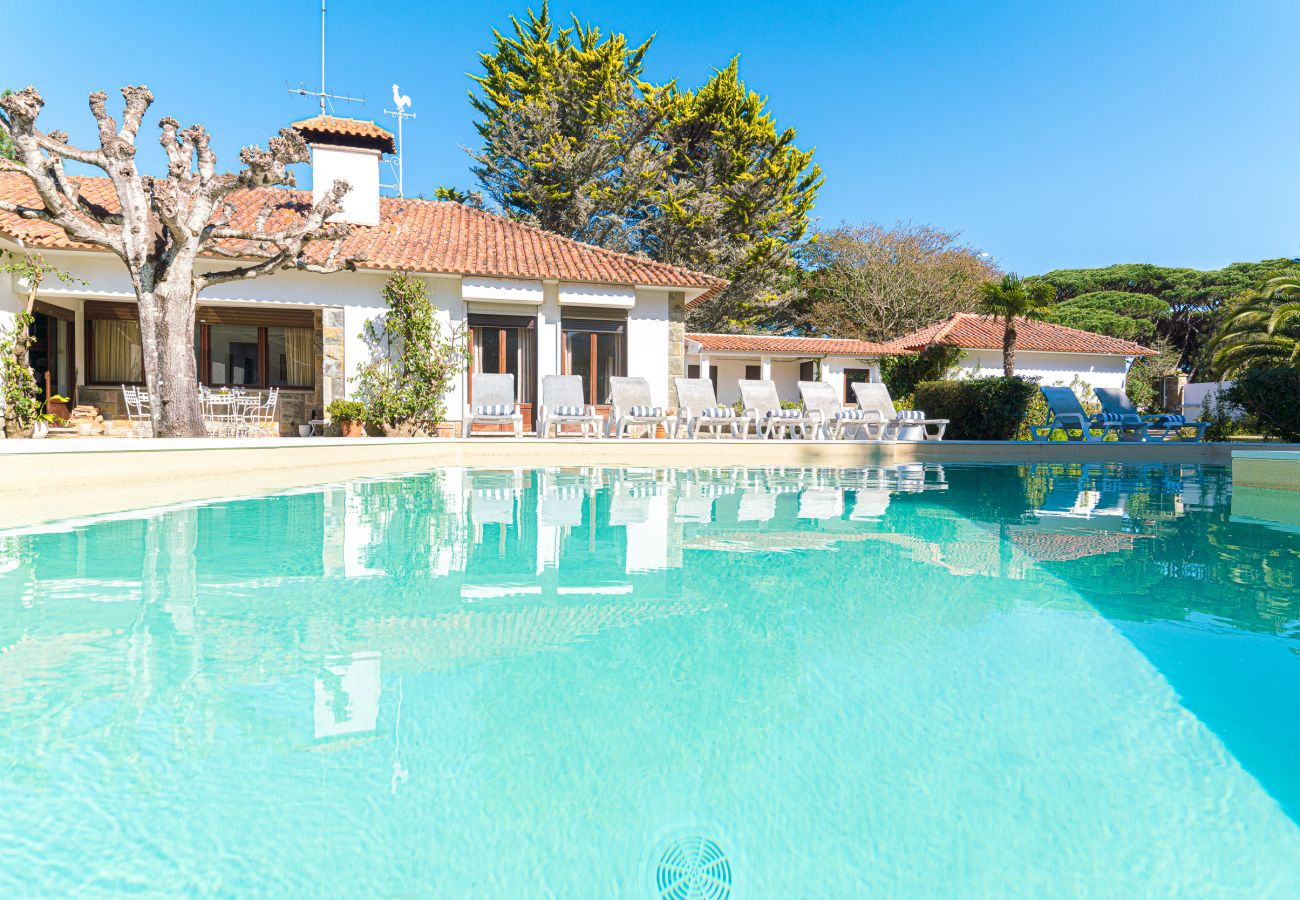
(676, 341)
(333, 383)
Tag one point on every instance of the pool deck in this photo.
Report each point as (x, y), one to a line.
(45, 480)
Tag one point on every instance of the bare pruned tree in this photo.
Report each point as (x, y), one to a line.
(161, 226)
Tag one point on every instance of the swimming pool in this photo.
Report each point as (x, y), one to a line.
(910, 681)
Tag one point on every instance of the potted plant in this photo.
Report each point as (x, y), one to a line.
(350, 416)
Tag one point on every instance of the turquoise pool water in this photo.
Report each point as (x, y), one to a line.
(922, 681)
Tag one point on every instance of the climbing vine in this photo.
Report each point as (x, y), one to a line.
(18, 389)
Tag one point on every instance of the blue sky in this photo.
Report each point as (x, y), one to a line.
(1050, 134)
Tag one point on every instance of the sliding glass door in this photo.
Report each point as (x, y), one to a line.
(507, 345)
(596, 351)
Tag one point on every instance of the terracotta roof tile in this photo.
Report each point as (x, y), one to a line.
(979, 332)
(420, 235)
(757, 343)
(359, 131)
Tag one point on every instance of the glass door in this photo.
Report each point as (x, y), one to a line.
(50, 355)
(505, 345)
(596, 351)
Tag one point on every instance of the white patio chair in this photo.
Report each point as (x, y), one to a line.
(563, 404)
(698, 410)
(874, 396)
(139, 409)
(494, 403)
(259, 420)
(1115, 402)
(834, 420)
(631, 407)
(762, 404)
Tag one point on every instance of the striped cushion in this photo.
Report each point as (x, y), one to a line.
(1109, 417)
(1169, 419)
(718, 412)
(846, 414)
(911, 414)
(494, 409)
(570, 411)
(785, 414)
(646, 411)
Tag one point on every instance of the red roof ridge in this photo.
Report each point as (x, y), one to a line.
(972, 330)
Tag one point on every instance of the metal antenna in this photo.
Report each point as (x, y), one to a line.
(402, 102)
(323, 95)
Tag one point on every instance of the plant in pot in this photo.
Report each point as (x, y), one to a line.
(413, 363)
(350, 415)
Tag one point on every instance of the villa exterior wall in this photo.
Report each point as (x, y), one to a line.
(1052, 369)
(342, 304)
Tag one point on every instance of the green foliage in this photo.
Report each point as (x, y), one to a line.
(1131, 317)
(901, 374)
(574, 140)
(18, 389)
(341, 410)
(414, 361)
(1194, 296)
(875, 283)
(1012, 299)
(472, 199)
(1269, 395)
(1226, 420)
(979, 409)
(1140, 385)
(6, 143)
(1260, 329)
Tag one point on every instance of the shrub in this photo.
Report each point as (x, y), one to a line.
(349, 410)
(1139, 386)
(1270, 395)
(978, 409)
(901, 374)
(414, 360)
(1226, 420)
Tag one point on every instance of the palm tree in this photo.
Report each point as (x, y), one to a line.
(1260, 329)
(1011, 299)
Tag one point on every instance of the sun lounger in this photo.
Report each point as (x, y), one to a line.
(763, 405)
(834, 420)
(562, 404)
(494, 403)
(631, 407)
(698, 410)
(1116, 403)
(894, 425)
(1065, 413)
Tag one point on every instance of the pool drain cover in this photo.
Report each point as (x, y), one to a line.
(692, 867)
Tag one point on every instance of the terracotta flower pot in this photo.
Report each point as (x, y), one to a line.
(352, 429)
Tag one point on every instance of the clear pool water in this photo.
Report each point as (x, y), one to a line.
(968, 680)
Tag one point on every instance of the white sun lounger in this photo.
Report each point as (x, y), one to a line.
(834, 421)
(563, 404)
(631, 407)
(874, 396)
(698, 410)
(494, 403)
(762, 404)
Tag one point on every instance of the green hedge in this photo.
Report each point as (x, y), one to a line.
(979, 409)
(1270, 396)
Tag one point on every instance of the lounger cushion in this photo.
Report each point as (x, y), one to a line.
(494, 409)
(718, 412)
(1109, 417)
(646, 411)
(570, 411)
(1168, 419)
(911, 414)
(854, 414)
(785, 414)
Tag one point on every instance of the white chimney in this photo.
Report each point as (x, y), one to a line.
(347, 150)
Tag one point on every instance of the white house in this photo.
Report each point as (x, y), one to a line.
(1054, 354)
(727, 358)
(533, 303)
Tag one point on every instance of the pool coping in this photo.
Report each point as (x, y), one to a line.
(43, 481)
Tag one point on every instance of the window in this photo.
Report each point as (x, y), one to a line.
(113, 353)
(595, 350)
(504, 345)
(851, 377)
(808, 371)
(753, 373)
(233, 346)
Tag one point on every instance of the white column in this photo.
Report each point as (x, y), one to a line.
(765, 368)
(704, 366)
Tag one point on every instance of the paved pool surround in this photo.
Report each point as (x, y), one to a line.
(42, 481)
